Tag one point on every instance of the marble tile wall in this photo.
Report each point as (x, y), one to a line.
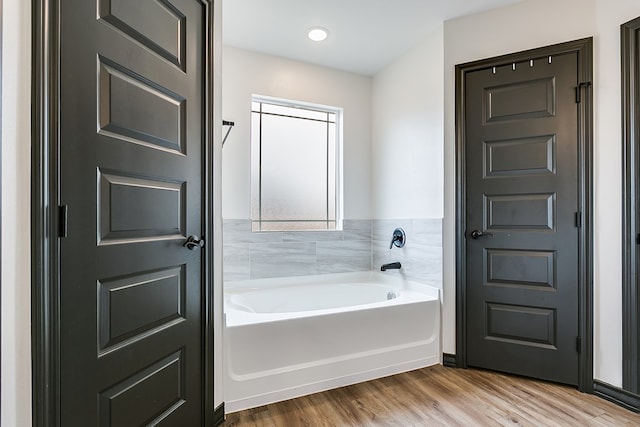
(421, 256)
(362, 245)
(260, 255)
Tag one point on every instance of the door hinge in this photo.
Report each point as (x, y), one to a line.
(62, 220)
(579, 91)
(578, 219)
(579, 344)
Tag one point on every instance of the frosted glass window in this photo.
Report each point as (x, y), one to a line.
(295, 166)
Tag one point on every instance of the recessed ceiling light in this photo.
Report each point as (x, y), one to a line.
(317, 34)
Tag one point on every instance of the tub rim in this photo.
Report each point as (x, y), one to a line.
(409, 292)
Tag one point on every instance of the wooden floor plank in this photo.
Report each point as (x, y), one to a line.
(439, 396)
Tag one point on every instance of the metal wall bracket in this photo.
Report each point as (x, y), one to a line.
(226, 135)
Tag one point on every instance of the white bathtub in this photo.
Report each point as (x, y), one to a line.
(289, 337)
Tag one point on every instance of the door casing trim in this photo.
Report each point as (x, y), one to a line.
(630, 227)
(584, 50)
(45, 251)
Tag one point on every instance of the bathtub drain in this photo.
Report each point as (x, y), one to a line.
(391, 295)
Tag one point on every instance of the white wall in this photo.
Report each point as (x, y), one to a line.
(531, 24)
(407, 150)
(246, 73)
(16, 151)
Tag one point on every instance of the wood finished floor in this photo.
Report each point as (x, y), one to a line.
(439, 396)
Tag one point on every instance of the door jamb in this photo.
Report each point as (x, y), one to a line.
(630, 226)
(584, 49)
(45, 250)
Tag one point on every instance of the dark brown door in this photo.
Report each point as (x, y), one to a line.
(131, 175)
(522, 200)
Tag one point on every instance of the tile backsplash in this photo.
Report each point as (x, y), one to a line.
(421, 256)
(362, 245)
(249, 255)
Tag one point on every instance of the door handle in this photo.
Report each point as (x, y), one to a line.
(194, 242)
(477, 234)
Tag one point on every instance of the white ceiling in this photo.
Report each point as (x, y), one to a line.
(364, 35)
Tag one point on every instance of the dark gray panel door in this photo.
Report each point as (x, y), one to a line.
(131, 173)
(522, 198)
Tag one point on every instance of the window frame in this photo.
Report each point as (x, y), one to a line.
(258, 224)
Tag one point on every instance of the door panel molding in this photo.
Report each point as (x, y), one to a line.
(629, 33)
(583, 48)
(45, 215)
